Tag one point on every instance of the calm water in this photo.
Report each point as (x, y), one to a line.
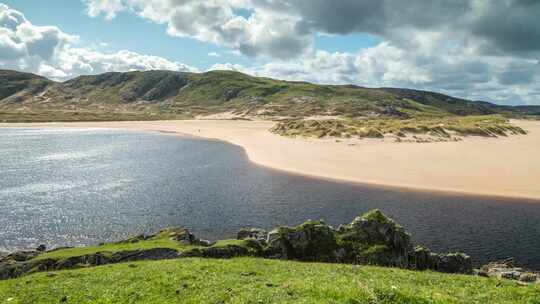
(73, 187)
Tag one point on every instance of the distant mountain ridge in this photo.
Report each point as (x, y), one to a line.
(157, 93)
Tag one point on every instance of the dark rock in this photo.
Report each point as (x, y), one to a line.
(15, 269)
(422, 258)
(185, 237)
(454, 263)
(311, 241)
(146, 254)
(370, 239)
(375, 239)
(225, 252)
(41, 248)
(251, 233)
(22, 256)
(95, 259)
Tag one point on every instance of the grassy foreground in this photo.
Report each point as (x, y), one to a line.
(253, 280)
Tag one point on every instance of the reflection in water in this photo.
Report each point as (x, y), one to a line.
(73, 187)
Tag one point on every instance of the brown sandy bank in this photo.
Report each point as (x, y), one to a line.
(502, 167)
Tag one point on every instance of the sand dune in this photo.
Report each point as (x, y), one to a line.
(502, 167)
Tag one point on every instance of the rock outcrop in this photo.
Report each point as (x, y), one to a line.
(372, 239)
(251, 233)
(184, 236)
(311, 241)
(508, 270)
(12, 268)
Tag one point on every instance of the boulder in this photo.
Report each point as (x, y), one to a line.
(422, 259)
(528, 277)
(375, 239)
(454, 263)
(508, 269)
(251, 233)
(310, 241)
(185, 237)
(21, 256)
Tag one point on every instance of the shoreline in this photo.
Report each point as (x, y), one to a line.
(505, 167)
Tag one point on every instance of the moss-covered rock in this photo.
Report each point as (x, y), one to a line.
(251, 233)
(311, 241)
(422, 259)
(184, 236)
(375, 239)
(372, 238)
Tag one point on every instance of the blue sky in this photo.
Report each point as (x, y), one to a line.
(143, 36)
(482, 50)
(148, 37)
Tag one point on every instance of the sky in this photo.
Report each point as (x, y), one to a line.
(477, 49)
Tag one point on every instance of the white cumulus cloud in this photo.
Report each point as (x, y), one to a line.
(48, 51)
(481, 49)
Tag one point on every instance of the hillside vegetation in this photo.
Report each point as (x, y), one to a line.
(153, 95)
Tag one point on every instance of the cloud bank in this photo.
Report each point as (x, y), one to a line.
(478, 49)
(48, 51)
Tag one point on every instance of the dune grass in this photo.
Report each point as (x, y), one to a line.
(435, 126)
(252, 280)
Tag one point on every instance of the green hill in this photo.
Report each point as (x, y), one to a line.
(168, 92)
(350, 110)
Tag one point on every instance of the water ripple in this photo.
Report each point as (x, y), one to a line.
(76, 187)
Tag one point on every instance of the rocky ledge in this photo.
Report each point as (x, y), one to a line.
(369, 239)
(508, 269)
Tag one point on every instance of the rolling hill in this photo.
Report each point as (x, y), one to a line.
(344, 110)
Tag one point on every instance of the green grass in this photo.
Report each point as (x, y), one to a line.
(251, 280)
(161, 240)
